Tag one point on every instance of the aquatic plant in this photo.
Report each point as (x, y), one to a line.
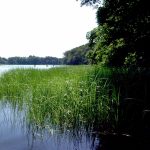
(67, 97)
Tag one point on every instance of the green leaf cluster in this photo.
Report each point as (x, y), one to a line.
(76, 56)
(122, 36)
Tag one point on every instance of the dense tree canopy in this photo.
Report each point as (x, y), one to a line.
(76, 55)
(122, 36)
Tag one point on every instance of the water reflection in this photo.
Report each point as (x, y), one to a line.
(17, 134)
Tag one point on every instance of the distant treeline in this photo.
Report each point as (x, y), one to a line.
(75, 56)
(31, 60)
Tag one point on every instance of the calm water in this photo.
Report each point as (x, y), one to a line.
(16, 134)
(4, 68)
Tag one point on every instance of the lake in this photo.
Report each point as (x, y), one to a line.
(4, 68)
(16, 134)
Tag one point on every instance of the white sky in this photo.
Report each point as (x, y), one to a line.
(43, 27)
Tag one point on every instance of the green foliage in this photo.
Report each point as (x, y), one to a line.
(89, 97)
(66, 97)
(131, 59)
(76, 56)
(102, 51)
(123, 30)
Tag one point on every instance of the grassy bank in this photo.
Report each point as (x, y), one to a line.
(69, 97)
(99, 99)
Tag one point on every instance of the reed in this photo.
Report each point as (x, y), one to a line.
(67, 97)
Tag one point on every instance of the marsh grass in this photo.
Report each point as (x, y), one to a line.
(66, 97)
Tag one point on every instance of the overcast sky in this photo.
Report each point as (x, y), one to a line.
(43, 27)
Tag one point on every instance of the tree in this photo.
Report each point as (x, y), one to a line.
(32, 60)
(76, 56)
(122, 33)
(3, 60)
(90, 2)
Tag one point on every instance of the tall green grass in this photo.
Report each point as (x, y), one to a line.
(72, 97)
